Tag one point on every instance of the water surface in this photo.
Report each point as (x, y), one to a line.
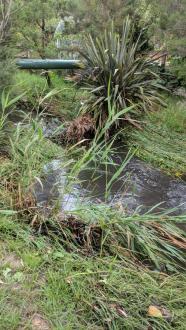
(139, 185)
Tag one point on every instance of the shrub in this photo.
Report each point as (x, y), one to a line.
(118, 73)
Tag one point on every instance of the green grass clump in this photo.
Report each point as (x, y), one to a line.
(154, 240)
(34, 85)
(178, 68)
(162, 141)
(29, 151)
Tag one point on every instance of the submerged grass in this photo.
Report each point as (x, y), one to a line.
(162, 141)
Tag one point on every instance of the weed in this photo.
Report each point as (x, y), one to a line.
(6, 107)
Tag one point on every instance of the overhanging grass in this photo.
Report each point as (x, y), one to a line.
(154, 240)
(162, 141)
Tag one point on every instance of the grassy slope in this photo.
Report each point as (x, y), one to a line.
(162, 141)
(67, 291)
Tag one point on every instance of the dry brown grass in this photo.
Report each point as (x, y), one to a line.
(82, 128)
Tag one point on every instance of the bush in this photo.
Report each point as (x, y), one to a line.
(120, 74)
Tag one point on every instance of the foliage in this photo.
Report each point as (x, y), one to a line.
(6, 71)
(35, 30)
(33, 85)
(119, 75)
(3, 132)
(7, 106)
(27, 153)
(100, 229)
(90, 261)
(94, 16)
(94, 267)
(92, 277)
(35, 27)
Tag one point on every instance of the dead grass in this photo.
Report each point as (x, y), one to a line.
(82, 128)
(39, 323)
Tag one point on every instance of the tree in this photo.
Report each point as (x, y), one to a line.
(5, 43)
(35, 27)
(168, 25)
(94, 16)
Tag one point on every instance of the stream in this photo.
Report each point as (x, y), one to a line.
(138, 187)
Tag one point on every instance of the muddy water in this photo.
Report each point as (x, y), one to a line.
(139, 186)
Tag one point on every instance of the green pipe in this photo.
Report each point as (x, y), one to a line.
(38, 64)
